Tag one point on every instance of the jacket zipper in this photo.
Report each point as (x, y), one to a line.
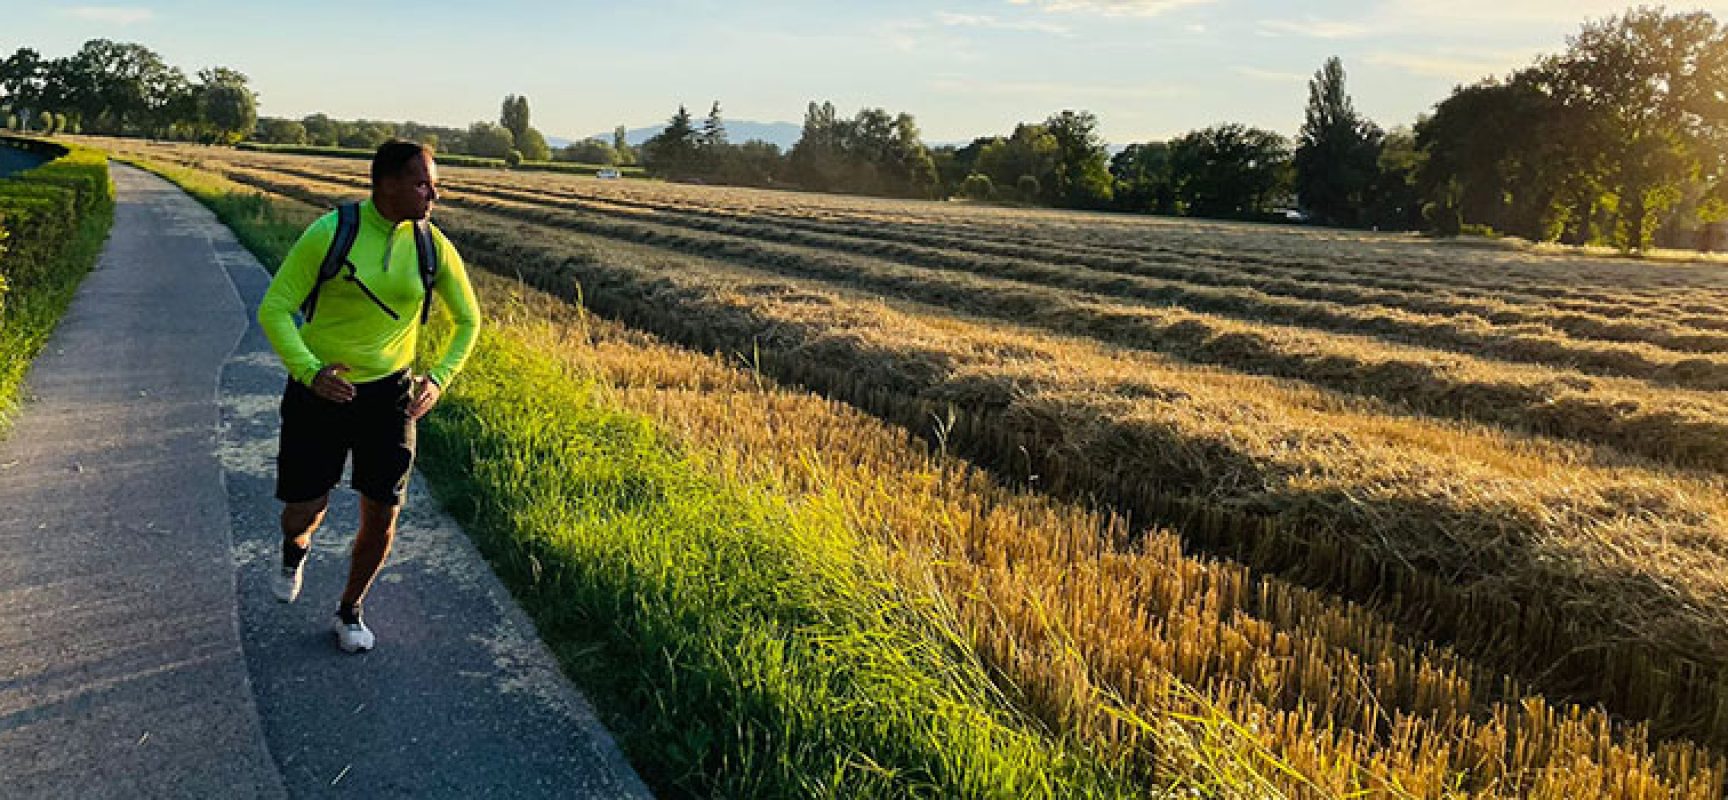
(353, 276)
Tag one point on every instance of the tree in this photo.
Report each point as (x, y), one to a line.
(1229, 170)
(753, 163)
(1337, 152)
(1082, 179)
(1143, 178)
(1512, 156)
(817, 160)
(514, 115)
(490, 141)
(621, 145)
(281, 131)
(1030, 151)
(1652, 84)
(589, 151)
(533, 146)
(713, 129)
(1394, 203)
(117, 87)
(226, 105)
(22, 78)
(875, 152)
(977, 187)
(672, 151)
(321, 130)
(366, 134)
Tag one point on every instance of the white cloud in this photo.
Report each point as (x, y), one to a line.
(954, 20)
(1271, 75)
(1315, 28)
(1112, 8)
(1463, 66)
(117, 15)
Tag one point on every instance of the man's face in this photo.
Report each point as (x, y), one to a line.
(412, 192)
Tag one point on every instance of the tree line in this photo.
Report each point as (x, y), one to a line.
(123, 89)
(1618, 140)
(1621, 139)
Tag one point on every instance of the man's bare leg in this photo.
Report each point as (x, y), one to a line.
(301, 520)
(371, 546)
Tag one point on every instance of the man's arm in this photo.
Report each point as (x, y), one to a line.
(288, 289)
(457, 295)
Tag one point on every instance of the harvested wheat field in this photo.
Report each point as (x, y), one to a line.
(1373, 515)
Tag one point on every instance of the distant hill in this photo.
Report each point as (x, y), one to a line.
(738, 131)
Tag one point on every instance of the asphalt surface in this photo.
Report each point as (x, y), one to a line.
(143, 655)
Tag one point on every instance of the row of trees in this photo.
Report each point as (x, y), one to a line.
(512, 137)
(123, 89)
(1622, 138)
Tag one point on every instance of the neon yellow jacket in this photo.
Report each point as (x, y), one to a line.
(349, 327)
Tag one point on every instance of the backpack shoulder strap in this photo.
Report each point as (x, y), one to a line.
(427, 249)
(347, 230)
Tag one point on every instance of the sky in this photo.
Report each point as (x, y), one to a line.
(1149, 69)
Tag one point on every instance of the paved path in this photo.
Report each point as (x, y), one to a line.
(142, 656)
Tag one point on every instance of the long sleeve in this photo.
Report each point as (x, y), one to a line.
(453, 290)
(288, 289)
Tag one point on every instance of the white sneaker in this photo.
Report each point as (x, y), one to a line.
(285, 584)
(356, 638)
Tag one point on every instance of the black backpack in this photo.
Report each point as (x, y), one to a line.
(347, 230)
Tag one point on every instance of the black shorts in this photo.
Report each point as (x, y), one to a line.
(318, 435)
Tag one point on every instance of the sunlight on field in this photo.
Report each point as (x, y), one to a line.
(1375, 513)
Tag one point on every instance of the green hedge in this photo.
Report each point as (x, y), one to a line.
(53, 221)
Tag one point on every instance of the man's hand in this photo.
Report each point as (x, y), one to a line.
(330, 385)
(426, 394)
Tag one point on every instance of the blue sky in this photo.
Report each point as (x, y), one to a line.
(1150, 69)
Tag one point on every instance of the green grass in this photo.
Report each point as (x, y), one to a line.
(46, 249)
(743, 647)
(738, 646)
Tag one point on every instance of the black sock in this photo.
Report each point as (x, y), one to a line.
(349, 613)
(293, 554)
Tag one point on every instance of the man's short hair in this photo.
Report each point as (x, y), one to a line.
(393, 157)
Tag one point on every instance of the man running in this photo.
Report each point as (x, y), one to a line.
(349, 387)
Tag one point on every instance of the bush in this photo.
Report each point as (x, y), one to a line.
(1442, 219)
(513, 159)
(54, 218)
(1028, 188)
(977, 187)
